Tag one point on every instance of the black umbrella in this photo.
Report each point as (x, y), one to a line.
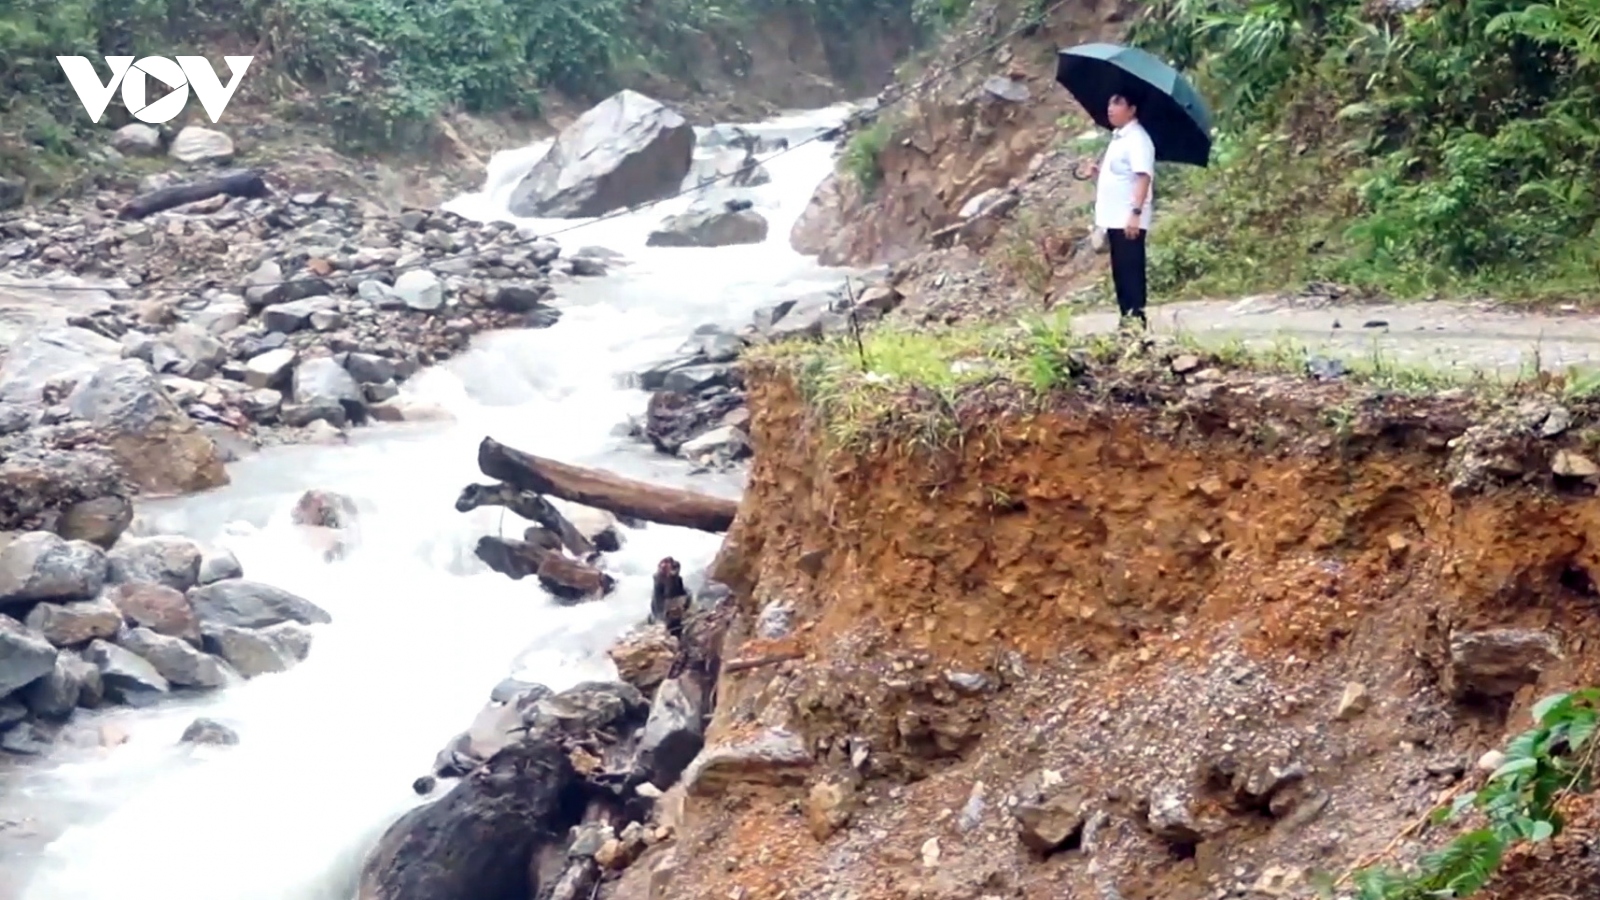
(1169, 108)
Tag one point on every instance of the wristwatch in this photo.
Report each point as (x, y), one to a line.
(1138, 210)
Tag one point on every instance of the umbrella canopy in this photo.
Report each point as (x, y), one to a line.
(1169, 108)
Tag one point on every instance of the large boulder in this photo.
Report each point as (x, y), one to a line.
(41, 566)
(160, 608)
(238, 603)
(721, 227)
(628, 150)
(491, 824)
(63, 689)
(77, 623)
(52, 355)
(128, 677)
(166, 560)
(25, 655)
(157, 444)
(176, 659)
(259, 651)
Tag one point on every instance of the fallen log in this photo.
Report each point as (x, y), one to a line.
(530, 506)
(603, 490)
(566, 579)
(238, 183)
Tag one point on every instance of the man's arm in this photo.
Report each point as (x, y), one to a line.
(1142, 159)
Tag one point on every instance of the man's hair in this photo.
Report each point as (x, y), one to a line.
(1127, 97)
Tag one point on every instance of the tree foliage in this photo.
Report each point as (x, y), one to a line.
(1465, 131)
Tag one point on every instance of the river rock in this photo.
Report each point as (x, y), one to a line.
(166, 560)
(57, 694)
(41, 566)
(77, 623)
(155, 441)
(195, 144)
(99, 521)
(25, 655)
(176, 659)
(627, 150)
(490, 825)
(128, 677)
(249, 604)
(674, 733)
(324, 509)
(160, 608)
(420, 289)
(710, 228)
(62, 355)
(217, 564)
(209, 731)
(644, 656)
(253, 652)
(269, 369)
(495, 727)
(320, 383)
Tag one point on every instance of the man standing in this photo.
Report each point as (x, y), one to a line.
(1122, 202)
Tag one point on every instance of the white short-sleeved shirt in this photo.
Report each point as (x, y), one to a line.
(1130, 154)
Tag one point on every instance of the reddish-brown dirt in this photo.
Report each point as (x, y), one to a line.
(1168, 620)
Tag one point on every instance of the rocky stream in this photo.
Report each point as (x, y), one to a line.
(231, 694)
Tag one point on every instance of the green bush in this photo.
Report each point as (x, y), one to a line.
(1449, 148)
(860, 159)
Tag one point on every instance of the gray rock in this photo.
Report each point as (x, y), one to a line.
(76, 623)
(154, 440)
(157, 607)
(629, 149)
(195, 144)
(249, 604)
(25, 655)
(209, 731)
(188, 351)
(771, 756)
(1498, 662)
(269, 369)
(99, 521)
(217, 565)
(137, 139)
(253, 652)
(169, 560)
(222, 316)
(674, 734)
(176, 659)
(58, 693)
(296, 314)
(369, 369)
(322, 382)
(41, 566)
(52, 355)
(710, 228)
(14, 417)
(127, 677)
(420, 289)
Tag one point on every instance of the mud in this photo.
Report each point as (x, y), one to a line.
(1232, 665)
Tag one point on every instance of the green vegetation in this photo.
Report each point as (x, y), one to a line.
(1446, 150)
(381, 71)
(860, 159)
(1519, 804)
(912, 381)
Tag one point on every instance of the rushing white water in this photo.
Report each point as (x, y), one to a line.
(421, 631)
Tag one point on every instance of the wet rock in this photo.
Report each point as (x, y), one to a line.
(26, 739)
(25, 655)
(773, 756)
(161, 609)
(710, 228)
(57, 694)
(195, 144)
(41, 566)
(76, 623)
(99, 521)
(209, 731)
(175, 659)
(829, 807)
(128, 678)
(324, 509)
(249, 604)
(154, 441)
(675, 732)
(495, 727)
(219, 565)
(1498, 662)
(644, 656)
(322, 382)
(254, 652)
(165, 560)
(627, 150)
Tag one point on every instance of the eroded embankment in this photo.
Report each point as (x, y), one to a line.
(1175, 637)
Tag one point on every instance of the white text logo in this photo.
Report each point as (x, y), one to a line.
(178, 77)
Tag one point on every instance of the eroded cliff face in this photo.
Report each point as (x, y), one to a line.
(960, 133)
(1140, 646)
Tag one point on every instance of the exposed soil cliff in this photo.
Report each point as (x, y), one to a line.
(1176, 636)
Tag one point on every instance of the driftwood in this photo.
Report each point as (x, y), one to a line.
(565, 578)
(239, 183)
(528, 505)
(603, 490)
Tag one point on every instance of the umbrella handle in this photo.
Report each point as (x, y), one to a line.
(1077, 172)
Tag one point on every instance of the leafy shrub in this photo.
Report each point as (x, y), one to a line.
(861, 154)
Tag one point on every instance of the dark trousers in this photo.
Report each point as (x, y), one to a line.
(1127, 272)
